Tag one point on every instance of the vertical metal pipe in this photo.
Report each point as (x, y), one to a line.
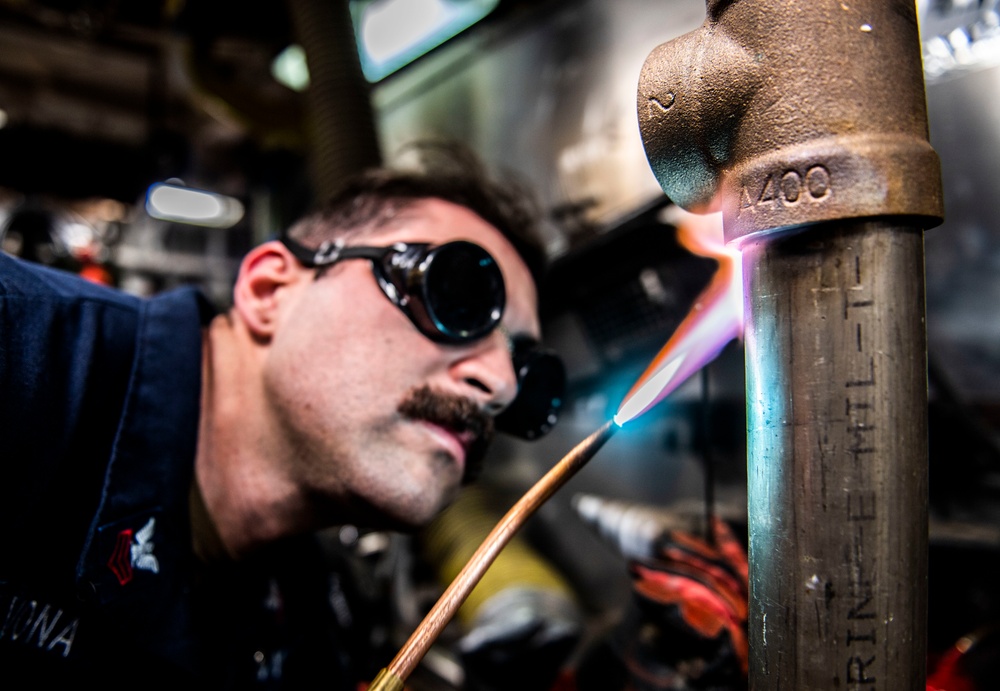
(805, 124)
(837, 445)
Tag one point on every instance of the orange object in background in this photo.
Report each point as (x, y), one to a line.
(96, 273)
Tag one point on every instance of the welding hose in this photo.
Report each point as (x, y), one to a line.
(519, 573)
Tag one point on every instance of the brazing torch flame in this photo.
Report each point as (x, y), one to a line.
(715, 319)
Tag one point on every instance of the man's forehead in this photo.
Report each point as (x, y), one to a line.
(431, 210)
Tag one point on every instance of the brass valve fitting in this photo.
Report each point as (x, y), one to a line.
(781, 113)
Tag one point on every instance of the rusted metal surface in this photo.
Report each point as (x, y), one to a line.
(785, 113)
(805, 124)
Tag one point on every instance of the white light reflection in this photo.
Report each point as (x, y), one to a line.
(290, 68)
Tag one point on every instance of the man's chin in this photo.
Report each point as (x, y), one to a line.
(415, 517)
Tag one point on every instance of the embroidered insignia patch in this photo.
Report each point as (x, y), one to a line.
(134, 550)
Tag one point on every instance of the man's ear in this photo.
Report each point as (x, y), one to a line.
(265, 272)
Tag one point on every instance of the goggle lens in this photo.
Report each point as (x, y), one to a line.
(541, 378)
(462, 289)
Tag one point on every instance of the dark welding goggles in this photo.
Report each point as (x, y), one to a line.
(454, 293)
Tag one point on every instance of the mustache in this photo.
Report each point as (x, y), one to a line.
(458, 414)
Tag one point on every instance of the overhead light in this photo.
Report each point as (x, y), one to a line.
(174, 202)
(391, 34)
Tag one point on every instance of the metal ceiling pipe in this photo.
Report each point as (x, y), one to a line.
(342, 134)
(805, 124)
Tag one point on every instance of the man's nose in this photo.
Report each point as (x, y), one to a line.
(487, 370)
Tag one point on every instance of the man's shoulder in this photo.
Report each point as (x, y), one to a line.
(19, 277)
(36, 285)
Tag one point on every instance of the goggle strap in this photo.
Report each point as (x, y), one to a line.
(331, 252)
(341, 252)
(308, 256)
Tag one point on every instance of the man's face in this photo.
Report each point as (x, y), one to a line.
(370, 405)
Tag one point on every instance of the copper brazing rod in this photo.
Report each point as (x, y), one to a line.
(391, 678)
